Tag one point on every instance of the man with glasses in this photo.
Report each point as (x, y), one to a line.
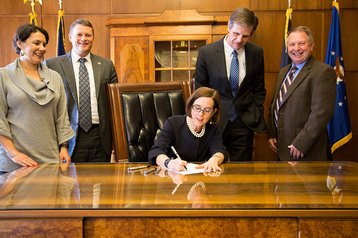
(235, 68)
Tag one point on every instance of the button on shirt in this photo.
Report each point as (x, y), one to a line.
(76, 66)
(241, 58)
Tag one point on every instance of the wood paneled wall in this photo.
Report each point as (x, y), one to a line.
(315, 14)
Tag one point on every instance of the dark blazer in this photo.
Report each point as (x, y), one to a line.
(104, 73)
(305, 112)
(176, 133)
(211, 72)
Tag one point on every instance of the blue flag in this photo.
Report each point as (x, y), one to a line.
(60, 34)
(339, 128)
(285, 60)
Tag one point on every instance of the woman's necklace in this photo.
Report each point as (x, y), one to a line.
(196, 134)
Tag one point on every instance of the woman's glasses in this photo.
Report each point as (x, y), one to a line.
(206, 110)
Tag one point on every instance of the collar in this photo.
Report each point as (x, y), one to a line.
(75, 57)
(299, 66)
(228, 49)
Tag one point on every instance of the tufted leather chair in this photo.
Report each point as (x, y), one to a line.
(139, 111)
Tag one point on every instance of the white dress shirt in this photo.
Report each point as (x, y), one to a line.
(76, 66)
(241, 58)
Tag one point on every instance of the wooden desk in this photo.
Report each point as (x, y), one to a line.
(260, 199)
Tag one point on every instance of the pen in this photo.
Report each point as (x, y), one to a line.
(148, 171)
(158, 170)
(175, 189)
(137, 168)
(176, 154)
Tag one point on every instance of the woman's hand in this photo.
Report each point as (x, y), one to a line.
(64, 156)
(212, 165)
(177, 165)
(15, 155)
(23, 160)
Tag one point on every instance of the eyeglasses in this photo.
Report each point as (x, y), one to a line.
(197, 108)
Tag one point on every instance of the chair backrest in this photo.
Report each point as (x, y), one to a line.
(139, 111)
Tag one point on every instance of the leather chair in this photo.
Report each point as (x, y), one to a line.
(139, 111)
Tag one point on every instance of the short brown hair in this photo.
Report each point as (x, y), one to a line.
(83, 22)
(205, 92)
(244, 17)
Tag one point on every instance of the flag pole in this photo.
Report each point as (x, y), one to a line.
(60, 49)
(33, 14)
(285, 59)
(288, 19)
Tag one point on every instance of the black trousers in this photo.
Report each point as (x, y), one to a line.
(89, 146)
(238, 139)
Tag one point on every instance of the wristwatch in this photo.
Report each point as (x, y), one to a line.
(64, 144)
(166, 162)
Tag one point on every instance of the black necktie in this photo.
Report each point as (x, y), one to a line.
(85, 117)
(234, 73)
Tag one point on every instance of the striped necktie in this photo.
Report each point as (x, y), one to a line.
(85, 117)
(283, 90)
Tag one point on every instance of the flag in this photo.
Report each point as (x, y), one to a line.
(60, 50)
(285, 60)
(339, 128)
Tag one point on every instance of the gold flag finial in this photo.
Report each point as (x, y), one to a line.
(33, 14)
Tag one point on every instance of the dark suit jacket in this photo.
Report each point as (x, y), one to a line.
(176, 133)
(305, 112)
(104, 73)
(211, 72)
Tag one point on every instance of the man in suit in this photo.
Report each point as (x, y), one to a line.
(300, 110)
(235, 68)
(92, 143)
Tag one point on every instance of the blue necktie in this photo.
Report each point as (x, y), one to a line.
(234, 74)
(85, 117)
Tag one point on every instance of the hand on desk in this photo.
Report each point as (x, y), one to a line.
(212, 165)
(177, 164)
(24, 160)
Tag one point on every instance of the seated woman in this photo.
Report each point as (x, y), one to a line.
(195, 136)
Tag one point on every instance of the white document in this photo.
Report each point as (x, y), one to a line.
(191, 169)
